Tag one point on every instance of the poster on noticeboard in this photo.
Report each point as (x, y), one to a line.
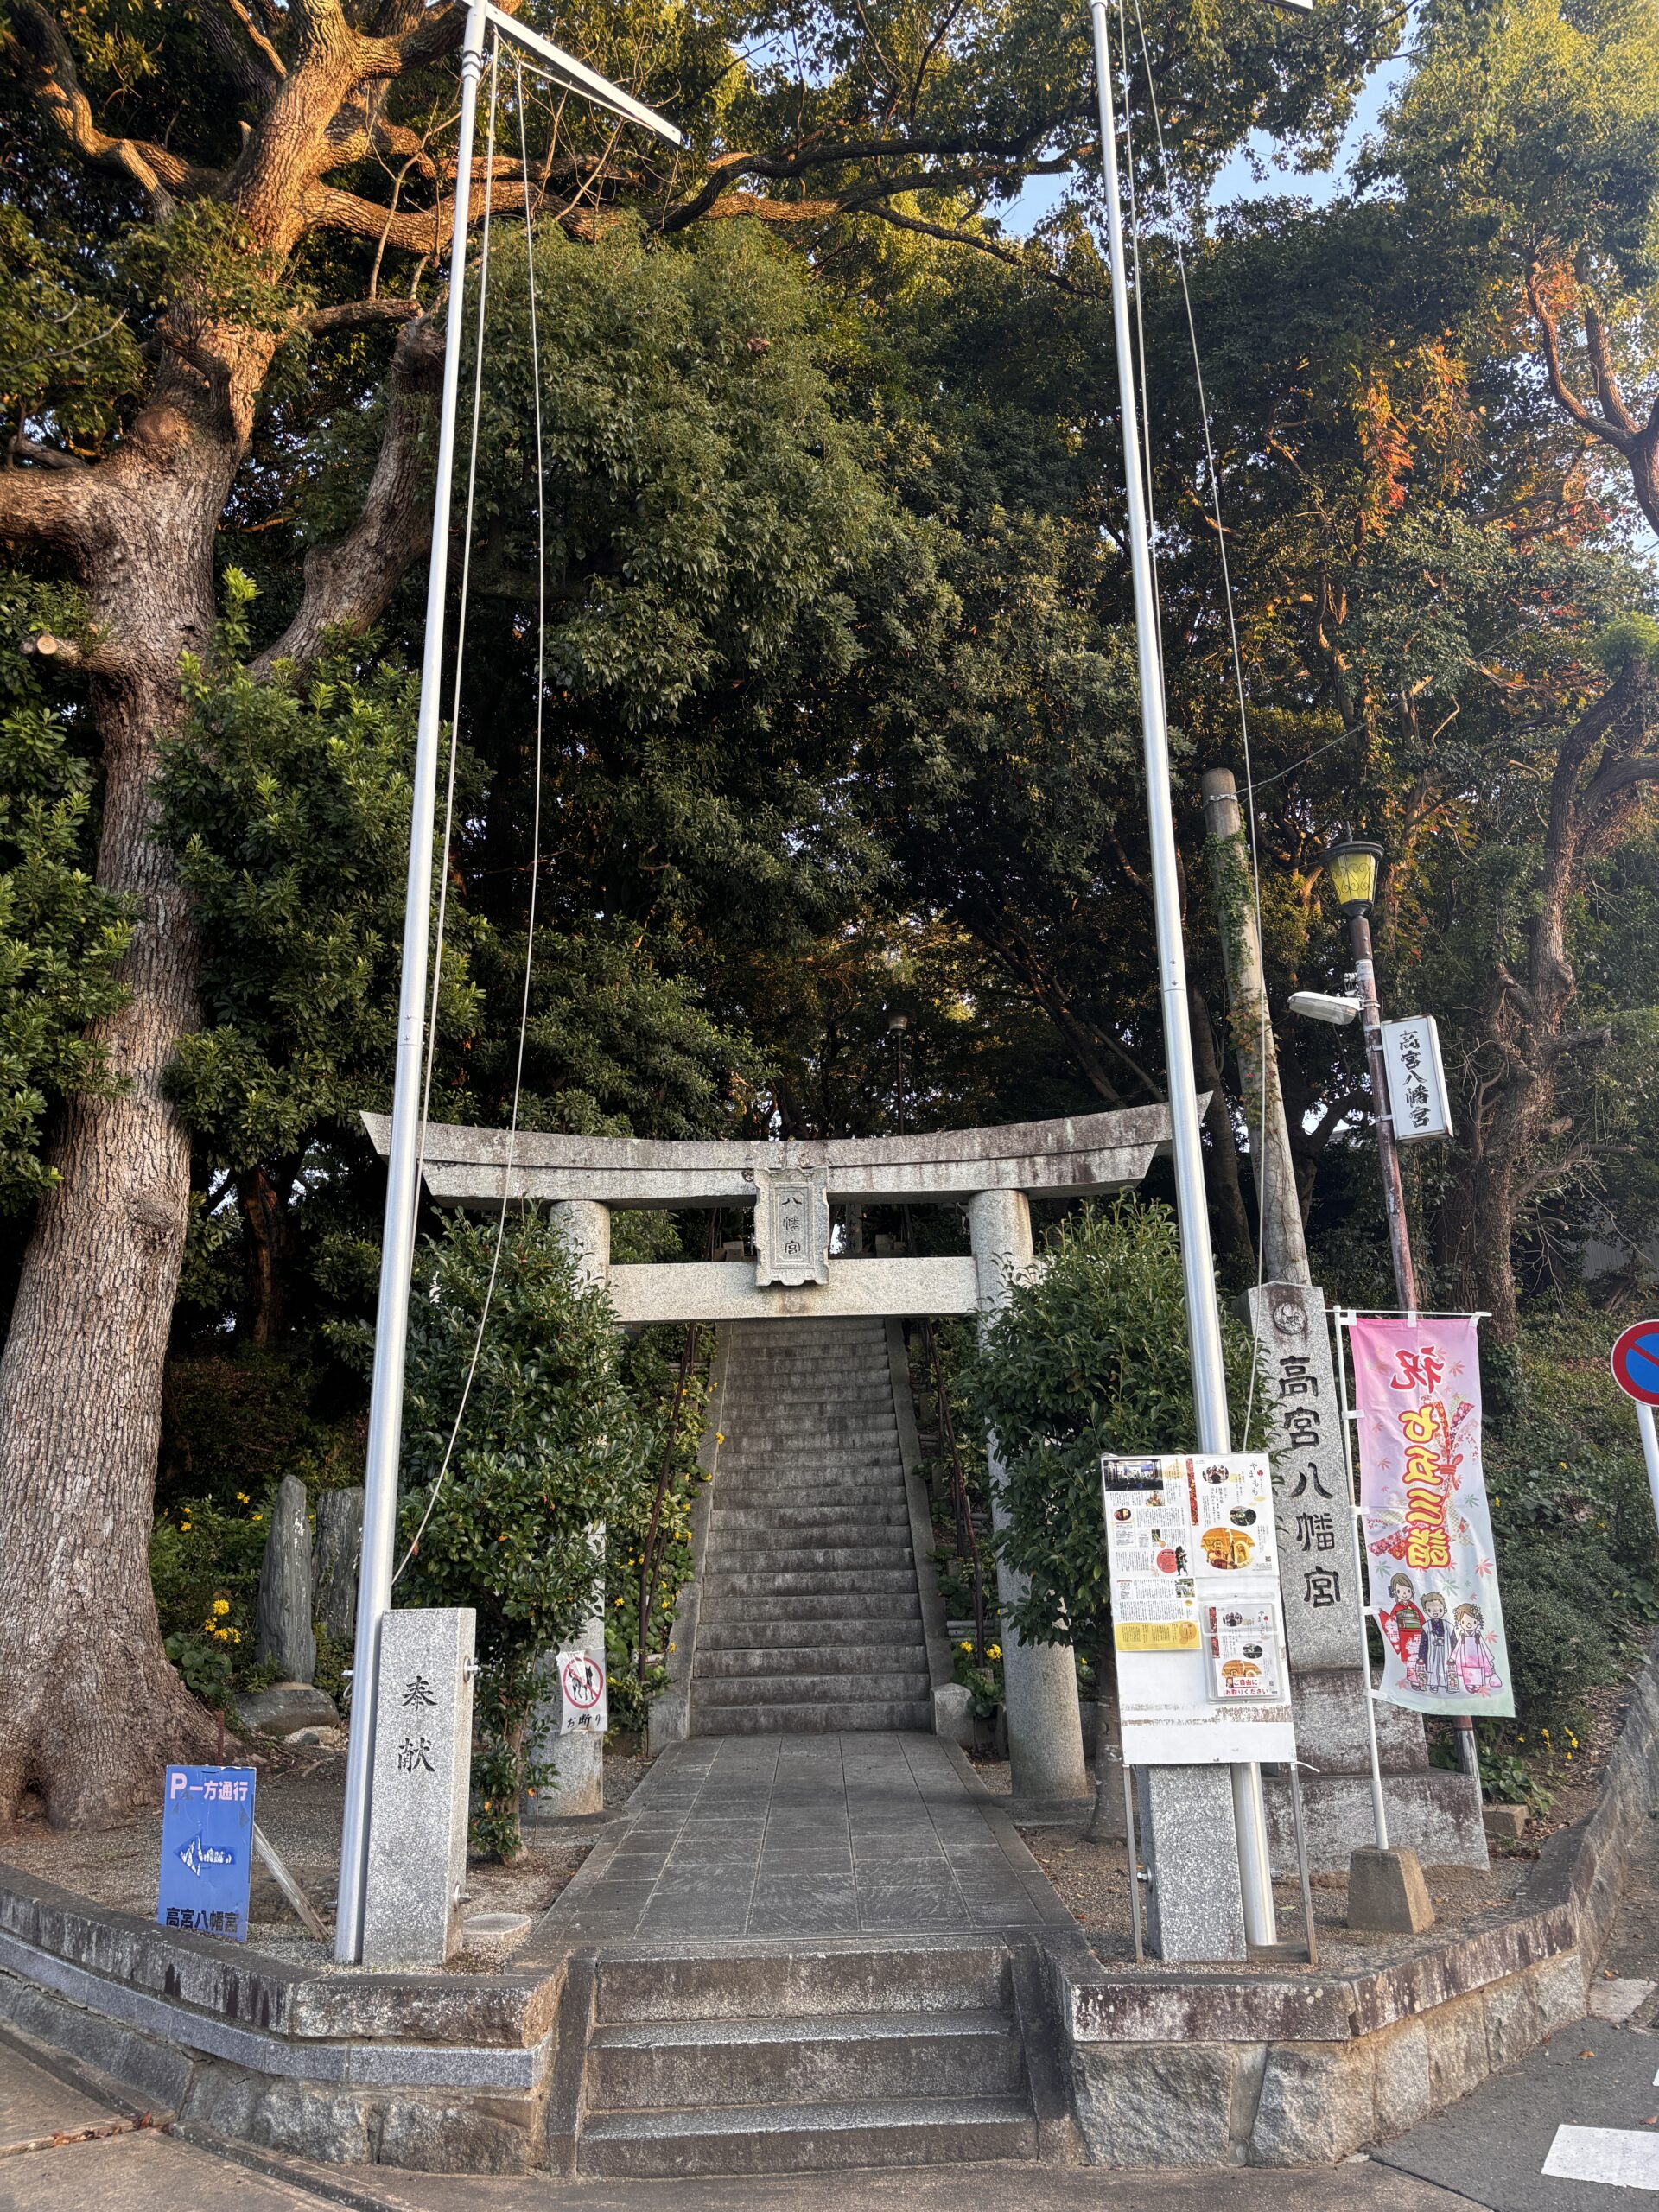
(1203, 1676)
(1427, 1526)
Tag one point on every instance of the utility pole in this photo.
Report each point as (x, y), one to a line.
(1203, 1308)
(1284, 1246)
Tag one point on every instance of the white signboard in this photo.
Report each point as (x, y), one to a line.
(1203, 1676)
(1411, 1051)
(581, 1684)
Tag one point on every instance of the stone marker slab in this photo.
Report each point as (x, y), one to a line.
(340, 1544)
(1195, 1906)
(1387, 1894)
(283, 1629)
(422, 1778)
(1318, 1574)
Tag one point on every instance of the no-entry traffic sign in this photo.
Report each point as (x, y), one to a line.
(1635, 1363)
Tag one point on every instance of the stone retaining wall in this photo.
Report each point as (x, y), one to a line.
(458, 2074)
(1177, 2070)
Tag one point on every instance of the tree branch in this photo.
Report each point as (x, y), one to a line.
(47, 68)
(354, 314)
(1586, 417)
(994, 247)
(1601, 368)
(43, 510)
(348, 584)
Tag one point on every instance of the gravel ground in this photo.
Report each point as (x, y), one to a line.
(300, 1797)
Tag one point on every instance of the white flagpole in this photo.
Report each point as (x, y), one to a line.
(398, 1243)
(1202, 1312)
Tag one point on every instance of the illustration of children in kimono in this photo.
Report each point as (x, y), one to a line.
(1434, 1646)
(1402, 1624)
(1471, 1657)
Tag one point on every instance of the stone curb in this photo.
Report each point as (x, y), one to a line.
(1227, 2070)
(1159, 2069)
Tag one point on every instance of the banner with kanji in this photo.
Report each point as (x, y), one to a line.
(1428, 1531)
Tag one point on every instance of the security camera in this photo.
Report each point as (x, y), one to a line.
(1322, 1006)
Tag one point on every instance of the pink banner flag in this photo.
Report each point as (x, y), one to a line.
(1428, 1534)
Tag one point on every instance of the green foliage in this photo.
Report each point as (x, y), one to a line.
(664, 1370)
(236, 1420)
(60, 937)
(288, 813)
(551, 1444)
(981, 1680)
(204, 1566)
(1090, 1358)
(1573, 1525)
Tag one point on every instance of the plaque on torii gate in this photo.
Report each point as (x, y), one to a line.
(791, 1226)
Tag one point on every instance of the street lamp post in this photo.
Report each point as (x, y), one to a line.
(1353, 865)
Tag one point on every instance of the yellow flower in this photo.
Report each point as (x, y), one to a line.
(258, 1517)
(992, 1652)
(619, 1601)
(242, 1497)
(965, 1647)
(221, 1606)
(720, 1436)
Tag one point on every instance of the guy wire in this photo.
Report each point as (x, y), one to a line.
(1261, 1164)
(536, 816)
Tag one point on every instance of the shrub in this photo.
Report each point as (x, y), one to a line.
(1090, 1358)
(551, 1442)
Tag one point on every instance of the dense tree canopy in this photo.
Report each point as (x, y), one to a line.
(832, 714)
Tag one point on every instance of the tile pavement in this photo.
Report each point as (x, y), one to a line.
(805, 1835)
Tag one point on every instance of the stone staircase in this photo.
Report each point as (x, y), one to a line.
(901, 2054)
(809, 1616)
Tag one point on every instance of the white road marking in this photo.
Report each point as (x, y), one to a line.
(1623, 2157)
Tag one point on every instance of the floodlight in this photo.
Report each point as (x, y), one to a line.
(1325, 1005)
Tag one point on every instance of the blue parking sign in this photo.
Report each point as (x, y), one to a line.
(206, 1849)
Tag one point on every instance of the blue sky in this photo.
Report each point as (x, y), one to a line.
(1236, 181)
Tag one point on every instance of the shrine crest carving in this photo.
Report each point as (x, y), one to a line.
(791, 1226)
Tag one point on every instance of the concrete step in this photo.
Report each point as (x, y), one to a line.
(849, 1414)
(736, 1662)
(679, 1982)
(851, 1716)
(807, 2138)
(723, 1693)
(782, 1554)
(656, 2064)
(855, 1479)
(833, 1626)
(804, 1605)
(814, 1582)
(889, 1511)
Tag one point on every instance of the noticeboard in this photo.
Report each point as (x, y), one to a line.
(1203, 1674)
(206, 1849)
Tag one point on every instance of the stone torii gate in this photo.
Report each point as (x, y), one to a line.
(991, 1172)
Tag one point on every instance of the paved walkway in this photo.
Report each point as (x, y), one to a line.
(806, 1835)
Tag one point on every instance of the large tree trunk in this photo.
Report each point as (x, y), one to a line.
(89, 1704)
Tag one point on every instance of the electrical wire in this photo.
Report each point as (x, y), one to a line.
(1264, 1039)
(536, 783)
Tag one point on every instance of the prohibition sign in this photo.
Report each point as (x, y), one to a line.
(582, 1681)
(1635, 1363)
